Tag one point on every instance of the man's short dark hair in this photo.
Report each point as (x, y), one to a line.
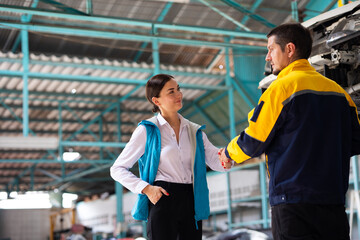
(296, 34)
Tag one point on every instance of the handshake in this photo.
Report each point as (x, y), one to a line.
(227, 163)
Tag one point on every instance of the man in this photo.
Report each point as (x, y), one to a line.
(308, 127)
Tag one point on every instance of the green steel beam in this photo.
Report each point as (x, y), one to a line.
(243, 94)
(161, 17)
(98, 79)
(47, 173)
(17, 106)
(110, 108)
(93, 179)
(86, 128)
(25, 78)
(232, 129)
(27, 19)
(207, 93)
(125, 36)
(254, 16)
(156, 56)
(294, 11)
(93, 144)
(89, 7)
(79, 175)
(119, 123)
(65, 121)
(226, 128)
(237, 23)
(264, 195)
(131, 22)
(78, 119)
(113, 68)
(217, 98)
(253, 8)
(61, 147)
(101, 137)
(63, 7)
(119, 208)
(211, 121)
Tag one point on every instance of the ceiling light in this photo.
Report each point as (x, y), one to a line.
(71, 156)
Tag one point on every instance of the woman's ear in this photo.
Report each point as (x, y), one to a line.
(155, 101)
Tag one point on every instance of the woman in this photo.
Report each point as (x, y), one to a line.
(172, 152)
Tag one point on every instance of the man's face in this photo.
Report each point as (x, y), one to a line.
(278, 59)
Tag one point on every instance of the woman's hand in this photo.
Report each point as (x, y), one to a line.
(154, 193)
(225, 162)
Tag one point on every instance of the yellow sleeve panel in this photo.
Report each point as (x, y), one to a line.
(269, 113)
(235, 152)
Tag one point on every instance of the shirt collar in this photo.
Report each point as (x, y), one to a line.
(183, 122)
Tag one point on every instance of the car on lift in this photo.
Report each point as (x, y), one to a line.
(336, 47)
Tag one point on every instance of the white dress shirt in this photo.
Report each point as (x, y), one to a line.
(175, 158)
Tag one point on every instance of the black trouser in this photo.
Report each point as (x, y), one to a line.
(309, 222)
(172, 218)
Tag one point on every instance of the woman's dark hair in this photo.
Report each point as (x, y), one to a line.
(296, 34)
(154, 86)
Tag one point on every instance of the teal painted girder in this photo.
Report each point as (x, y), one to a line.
(231, 19)
(63, 7)
(25, 77)
(110, 108)
(129, 37)
(161, 17)
(17, 106)
(253, 8)
(89, 7)
(64, 121)
(78, 175)
(27, 19)
(130, 22)
(98, 79)
(211, 121)
(249, 13)
(96, 138)
(113, 68)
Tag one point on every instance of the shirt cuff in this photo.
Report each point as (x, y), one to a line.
(140, 187)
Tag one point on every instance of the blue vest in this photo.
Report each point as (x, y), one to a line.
(149, 163)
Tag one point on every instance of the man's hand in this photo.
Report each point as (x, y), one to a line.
(225, 162)
(154, 193)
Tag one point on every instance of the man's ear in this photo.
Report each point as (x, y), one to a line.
(290, 50)
(155, 101)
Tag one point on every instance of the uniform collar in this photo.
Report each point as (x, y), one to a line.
(297, 65)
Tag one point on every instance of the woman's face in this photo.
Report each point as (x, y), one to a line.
(170, 97)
